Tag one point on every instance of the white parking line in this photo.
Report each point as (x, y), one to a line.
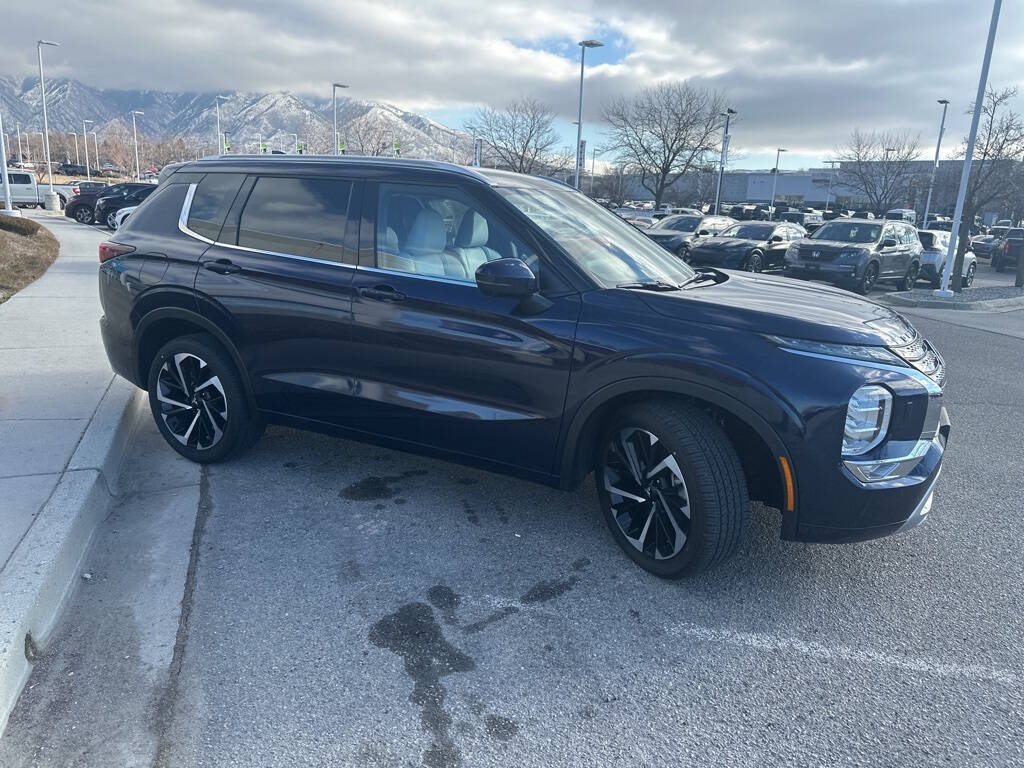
(920, 664)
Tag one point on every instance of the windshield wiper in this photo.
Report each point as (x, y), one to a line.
(650, 285)
(697, 277)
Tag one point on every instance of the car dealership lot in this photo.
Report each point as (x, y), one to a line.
(351, 605)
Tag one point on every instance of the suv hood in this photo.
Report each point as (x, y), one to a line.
(781, 306)
(728, 244)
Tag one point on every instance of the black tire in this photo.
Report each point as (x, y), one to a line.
(683, 252)
(754, 262)
(910, 278)
(82, 214)
(710, 485)
(868, 279)
(968, 279)
(215, 421)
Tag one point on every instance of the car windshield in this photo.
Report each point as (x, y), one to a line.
(603, 245)
(927, 239)
(848, 232)
(678, 223)
(748, 231)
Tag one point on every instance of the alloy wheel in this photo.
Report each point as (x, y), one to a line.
(83, 215)
(753, 263)
(969, 277)
(870, 276)
(193, 405)
(647, 492)
(110, 219)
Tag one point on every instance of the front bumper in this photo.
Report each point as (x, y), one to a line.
(720, 259)
(836, 272)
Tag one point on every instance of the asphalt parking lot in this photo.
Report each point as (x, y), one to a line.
(350, 605)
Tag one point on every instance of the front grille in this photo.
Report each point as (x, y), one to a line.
(925, 358)
(810, 253)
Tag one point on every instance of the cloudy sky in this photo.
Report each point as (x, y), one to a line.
(801, 73)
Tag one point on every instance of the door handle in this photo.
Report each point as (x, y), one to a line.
(382, 293)
(222, 266)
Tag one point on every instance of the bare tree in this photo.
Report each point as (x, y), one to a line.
(880, 166)
(520, 137)
(665, 131)
(996, 167)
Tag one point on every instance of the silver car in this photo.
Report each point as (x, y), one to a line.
(934, 244)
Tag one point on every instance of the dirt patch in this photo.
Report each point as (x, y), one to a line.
(23, 258)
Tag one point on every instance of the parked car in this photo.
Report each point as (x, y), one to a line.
(983, 244)
(122, 214)
(84, 185)
(82, 207)
(858, 253)
(863, 215)
(934, 247)
(678, 233)
(508, 322)
(26, 192)
(750, 246)
(1006, 249)
(804, 219)
(902, 214)
(109, 203)
(71, 169)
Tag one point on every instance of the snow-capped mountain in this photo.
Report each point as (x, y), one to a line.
(278, 119)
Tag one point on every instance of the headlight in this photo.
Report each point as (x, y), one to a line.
(845, 351)
(867, 419)
(851, 255)
(792, 251)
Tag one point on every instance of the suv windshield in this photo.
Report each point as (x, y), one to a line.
(848, 232)
(748, 231)
(678, 223)
(604, 246)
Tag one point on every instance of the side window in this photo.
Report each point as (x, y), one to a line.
(211, 202)
(888, 231)
(19, 178)
(441, 232)
(909, 236)
(297, 216)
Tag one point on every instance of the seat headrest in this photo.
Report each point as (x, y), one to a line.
(427, 232)
(472, 231)
(390, 243)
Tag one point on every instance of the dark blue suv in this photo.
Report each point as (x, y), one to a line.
(511, 323)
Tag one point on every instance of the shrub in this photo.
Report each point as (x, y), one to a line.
(18, 225)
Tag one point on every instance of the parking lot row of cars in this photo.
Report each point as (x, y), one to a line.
(855, 253)
(108, 205)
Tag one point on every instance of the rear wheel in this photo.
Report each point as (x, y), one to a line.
(909, 278)
(671, 488)
(82, 215)
(868, 279)
(968, 278)
(683, 252)
(198, 401)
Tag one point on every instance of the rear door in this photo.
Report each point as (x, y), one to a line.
(278, 278)
(22, 189)
(436, 362)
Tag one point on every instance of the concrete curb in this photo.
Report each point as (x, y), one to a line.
(42, 572)
(964, 306)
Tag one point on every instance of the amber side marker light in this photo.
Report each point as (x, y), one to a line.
(787, 474)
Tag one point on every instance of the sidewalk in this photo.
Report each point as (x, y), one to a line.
(64, 420)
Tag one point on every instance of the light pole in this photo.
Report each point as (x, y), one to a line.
(831, 173)
(4, 181)
(935, 165)
(77, 161)
(52, 202)
(259, 143)
(135, 139)
(217, 101)
(593, 169)
(965, 174)
(85, 141)
(334, 102)
(775, 184)
(295, 140)
(96, 146)
(583, 44)
(729, 112)
(21, 152)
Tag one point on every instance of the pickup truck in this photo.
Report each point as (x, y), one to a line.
(26, 193)
(1007, 249)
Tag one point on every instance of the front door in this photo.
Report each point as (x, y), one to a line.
(890, 257)
(436, 362)
(278, 279)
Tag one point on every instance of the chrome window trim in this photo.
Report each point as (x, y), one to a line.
(186, 207)
(435, 278)
(925, 381)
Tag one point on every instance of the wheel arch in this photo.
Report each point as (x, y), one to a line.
(756, 441)
(159, 326)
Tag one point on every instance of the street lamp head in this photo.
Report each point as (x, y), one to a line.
(339, 85)
(782, 149)
(943, 101)
(46, 42)
(728, 111)
(137, 112)
(87, 122)
(590, 43)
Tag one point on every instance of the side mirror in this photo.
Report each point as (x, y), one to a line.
(775, 239)
(703, 233)
(506, 277)
(889, 242)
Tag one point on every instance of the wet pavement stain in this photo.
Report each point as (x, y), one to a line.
(471, 514)
(501, 728)
(502, 517)
(373, 487)
(445, 600)
(543, 591)
(413, 633)
(484, 623)
(580, 564)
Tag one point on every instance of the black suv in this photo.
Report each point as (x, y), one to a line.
(82, 206)
(858, 254)
(751, 246)
(511, 323)
(110, 202)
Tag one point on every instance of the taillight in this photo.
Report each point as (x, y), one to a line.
(74, 190)
(113, 250)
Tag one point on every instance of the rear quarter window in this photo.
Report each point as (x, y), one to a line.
(211, 202)
(157, 214)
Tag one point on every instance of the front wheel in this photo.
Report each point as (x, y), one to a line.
(754, 262)
(683, 252)
(868, 279)
(671, 488)
(968, 279)
(111, 223)
(198, 401)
